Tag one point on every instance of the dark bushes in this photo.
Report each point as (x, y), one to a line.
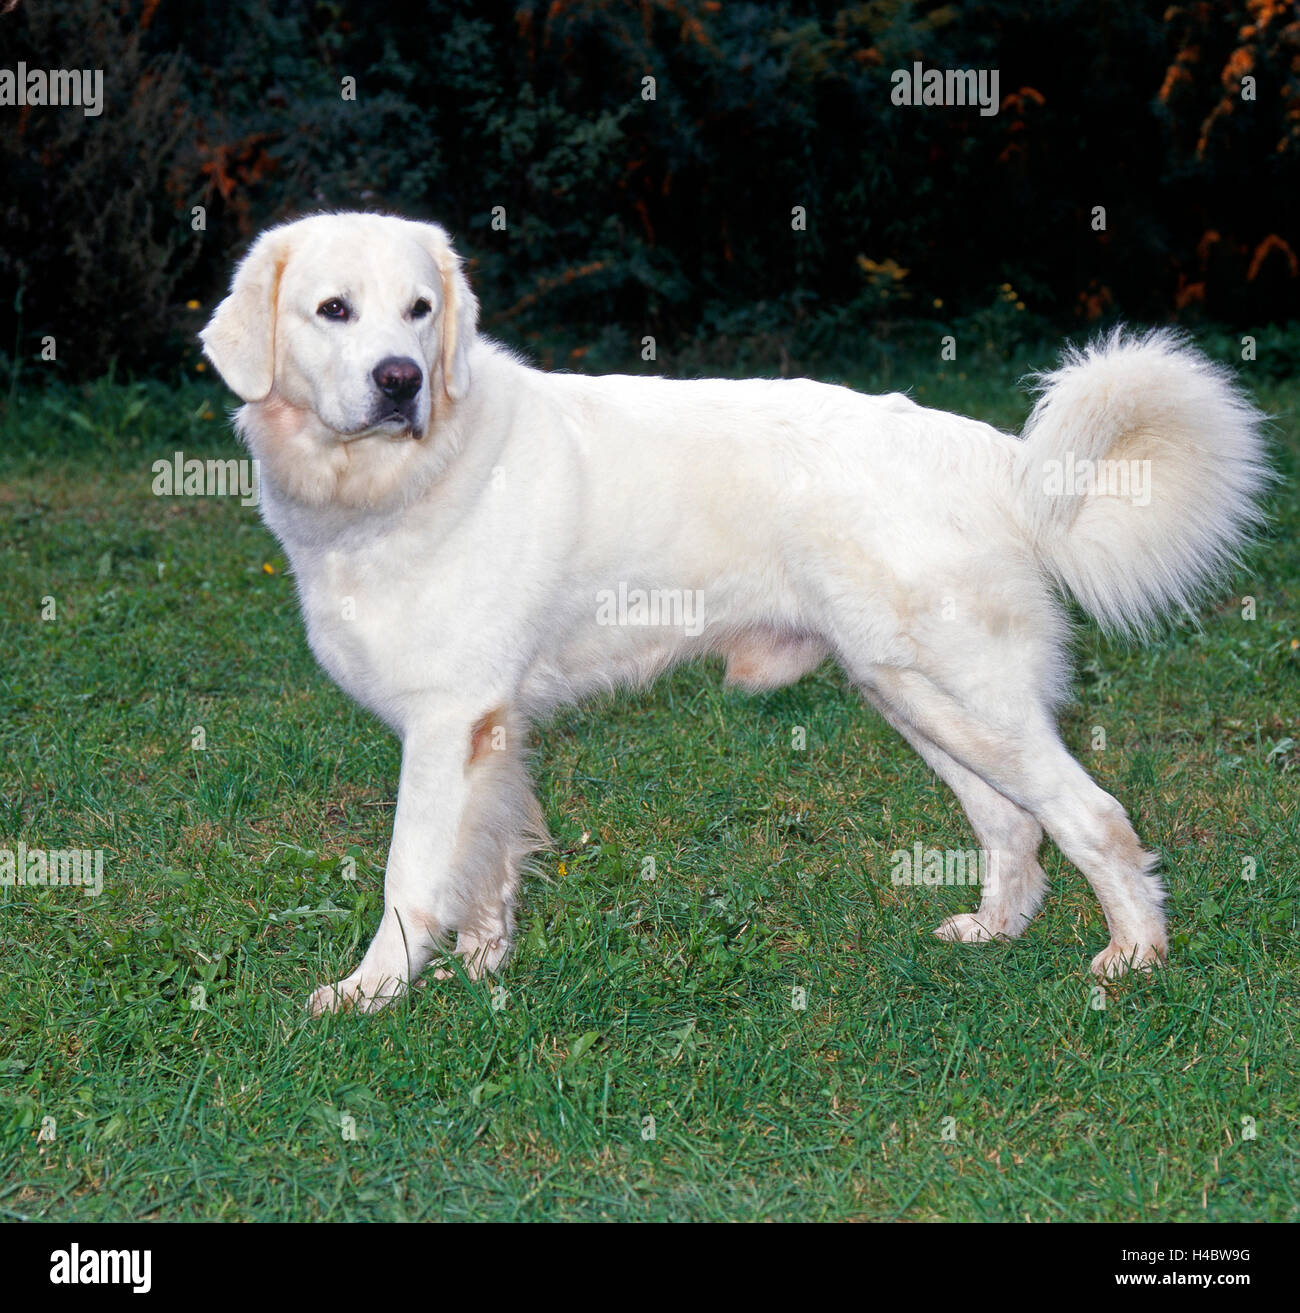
(672, 217)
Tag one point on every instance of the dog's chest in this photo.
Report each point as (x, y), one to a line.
(352, 607)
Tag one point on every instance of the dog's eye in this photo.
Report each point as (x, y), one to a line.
(334, 308)
(420, 309)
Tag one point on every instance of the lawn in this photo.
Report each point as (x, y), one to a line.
(644, 1056)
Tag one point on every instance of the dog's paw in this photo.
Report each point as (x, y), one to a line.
(359, 991)
(1116, 959)
(969, 928)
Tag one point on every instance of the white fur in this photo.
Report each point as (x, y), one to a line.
(451, 575)
(1153, 399)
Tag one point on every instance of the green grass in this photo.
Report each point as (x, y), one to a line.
(629, 997)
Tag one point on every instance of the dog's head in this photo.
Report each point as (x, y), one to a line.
(346, 335)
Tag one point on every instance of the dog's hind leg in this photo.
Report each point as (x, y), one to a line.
(1016, 885)
(1011, 743)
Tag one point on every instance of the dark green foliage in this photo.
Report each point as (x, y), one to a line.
(672, 218)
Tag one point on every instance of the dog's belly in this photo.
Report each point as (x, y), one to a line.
(599, 661)
(758, 658)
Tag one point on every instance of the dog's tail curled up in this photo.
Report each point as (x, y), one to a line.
(1139, 476)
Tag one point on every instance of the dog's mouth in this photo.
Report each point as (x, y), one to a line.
(392, 425)
(398, 424)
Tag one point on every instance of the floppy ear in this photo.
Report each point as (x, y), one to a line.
(459, 312)
(240, 336)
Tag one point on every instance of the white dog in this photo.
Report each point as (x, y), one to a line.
(475, 542)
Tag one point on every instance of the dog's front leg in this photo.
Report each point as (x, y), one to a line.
(420, 900)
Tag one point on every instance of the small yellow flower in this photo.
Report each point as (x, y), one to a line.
(267, 567)
(562, 869)
(1020, 305)
(938, 303)
(1295, 643)
(201, 366)
(191, 305)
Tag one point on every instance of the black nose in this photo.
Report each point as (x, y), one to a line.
(398, 377)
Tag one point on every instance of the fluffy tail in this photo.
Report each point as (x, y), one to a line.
(1140, 476)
